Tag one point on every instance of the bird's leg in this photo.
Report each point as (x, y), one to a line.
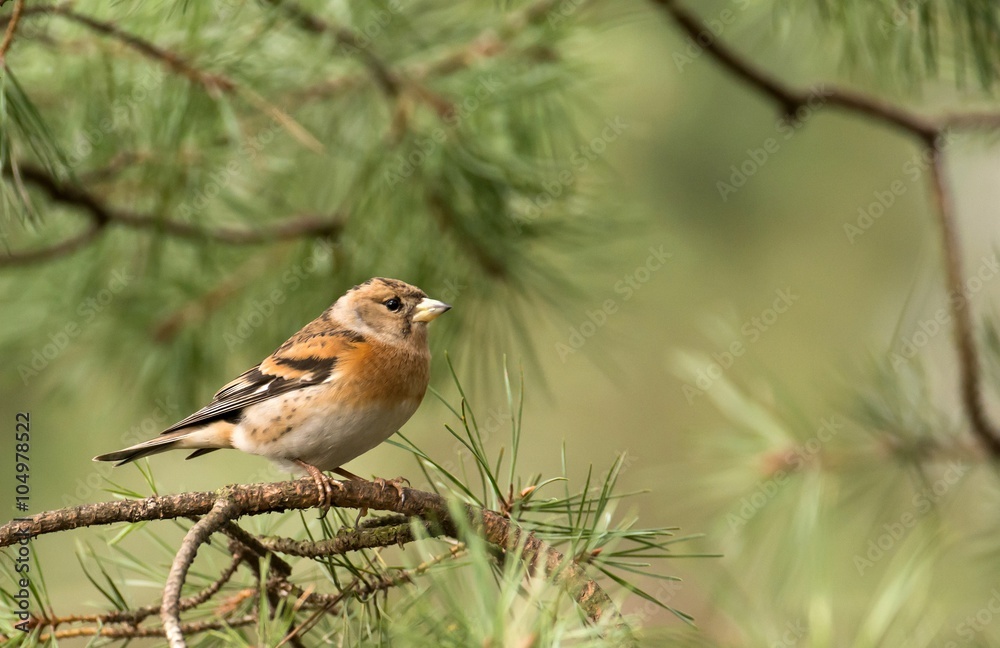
(343, 472)
(324, 483)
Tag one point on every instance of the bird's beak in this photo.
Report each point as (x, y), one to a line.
(429, 309)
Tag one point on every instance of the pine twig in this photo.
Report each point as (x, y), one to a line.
(964, 330)
(138, 615)
(212, 83)
(222, 511)
(384, 583)
(126, 632)
(345, 541)
(101, 215)
(387, 80)
(391, 82)
(251, 543)
(8, 36)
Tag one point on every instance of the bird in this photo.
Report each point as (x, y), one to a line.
(342, 385)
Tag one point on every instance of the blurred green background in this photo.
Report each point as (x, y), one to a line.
(788, 572)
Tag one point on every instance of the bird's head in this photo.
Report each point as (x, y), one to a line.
(389, 309)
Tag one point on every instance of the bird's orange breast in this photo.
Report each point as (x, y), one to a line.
(377, 372)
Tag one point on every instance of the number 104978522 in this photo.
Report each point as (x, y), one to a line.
(22, 468)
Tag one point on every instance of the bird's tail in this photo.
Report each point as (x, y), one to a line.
(203, 440)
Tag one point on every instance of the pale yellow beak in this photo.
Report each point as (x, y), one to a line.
(429, 309)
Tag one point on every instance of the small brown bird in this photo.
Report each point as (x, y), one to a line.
(336, 389)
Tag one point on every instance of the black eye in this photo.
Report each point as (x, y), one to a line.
(392, 304)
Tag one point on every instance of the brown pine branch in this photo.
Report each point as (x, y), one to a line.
(961, 311)
(137, 615)
(385, 77)
(929, 131)
(222, 511)
(101, 215)
(175, 63)
(392, 82)
(256, 499)
(54, 251)
(790, 98)
(251, 544)
(8, 36)
(346, 540)
(489, 43)
(129, 632)
(492, 42)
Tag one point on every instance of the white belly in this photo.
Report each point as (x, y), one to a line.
(326, 436)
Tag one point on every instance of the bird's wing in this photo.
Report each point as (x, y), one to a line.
(306, 359)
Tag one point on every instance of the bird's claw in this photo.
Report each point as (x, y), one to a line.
(396, 483)
(324, 486)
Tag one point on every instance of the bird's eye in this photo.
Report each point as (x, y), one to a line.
(392, 304)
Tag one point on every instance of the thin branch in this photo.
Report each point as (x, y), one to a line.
(252, 544)
(355, 587)
(102, 215)
(8, 36)
(790, 99)
(387, 80)
(964, 330)
(212, 83)
(930, 132)
(256, 499)
(492, 41)
(54, 251)
(346, 540)
(170, 611)
(489, 43)
(391, 82)
(136, 616)
(129, 632)
(174, 62)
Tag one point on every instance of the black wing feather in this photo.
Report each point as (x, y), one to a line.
(250, 388)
